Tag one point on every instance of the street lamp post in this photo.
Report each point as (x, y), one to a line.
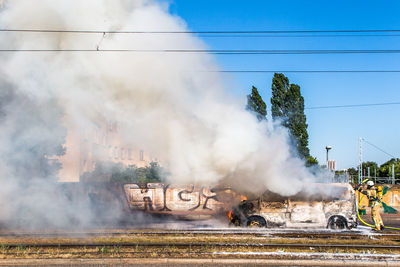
(327, 157)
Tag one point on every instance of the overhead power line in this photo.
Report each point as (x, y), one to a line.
(380, 149)
(205, 32)
(231, 34)
(354, 105)
(295, 36)
(219, 52)
(306, 71)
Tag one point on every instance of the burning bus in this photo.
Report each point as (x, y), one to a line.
(189, 202)
(184, 201)
(322, 205)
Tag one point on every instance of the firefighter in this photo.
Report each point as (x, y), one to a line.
(374, 194)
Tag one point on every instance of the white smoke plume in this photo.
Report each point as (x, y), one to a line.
(162, 101)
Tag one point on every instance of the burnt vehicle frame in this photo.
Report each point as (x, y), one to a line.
(321, 205)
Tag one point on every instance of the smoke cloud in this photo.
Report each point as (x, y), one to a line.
(161, 101)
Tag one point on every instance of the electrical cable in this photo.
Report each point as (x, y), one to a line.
(204, 32)
(219, 52)
(299, 36)
(222, 34)
(305, 71)
(380, 149)
(211, 34)
(355, 105)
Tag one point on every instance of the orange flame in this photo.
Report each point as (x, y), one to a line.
(230, 215)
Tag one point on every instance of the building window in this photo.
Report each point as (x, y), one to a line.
(141, 155)
(129, 154)
(122, 154)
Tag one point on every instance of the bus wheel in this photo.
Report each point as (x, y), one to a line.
(256, 221)
(337, 223)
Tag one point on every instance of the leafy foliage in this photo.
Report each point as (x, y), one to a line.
(288, 106)
(384, 170)
(311, 161)
(372, 167)
(352, 171)
(297, 119)
(256, 104)
(117, 172)
(280, 85)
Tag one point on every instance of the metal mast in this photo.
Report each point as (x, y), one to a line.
(360, 161)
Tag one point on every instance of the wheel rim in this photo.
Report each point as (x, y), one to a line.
(337, 223)
(255, 224)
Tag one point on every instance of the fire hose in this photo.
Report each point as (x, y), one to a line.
(367, 224)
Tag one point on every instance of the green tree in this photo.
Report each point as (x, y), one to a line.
(280, 85)
(256, 104)
(385, 170)
(288, 106)
(311, 161)
(372, 167)
(117, 172)
(296, 119)
(352, 171)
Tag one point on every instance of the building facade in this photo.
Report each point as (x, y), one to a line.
(99, 141)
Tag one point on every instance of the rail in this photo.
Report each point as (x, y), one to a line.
(191, 245)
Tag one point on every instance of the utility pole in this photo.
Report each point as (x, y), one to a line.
(360, 161)
(392, 173)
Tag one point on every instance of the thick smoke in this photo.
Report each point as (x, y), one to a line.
(162, 102)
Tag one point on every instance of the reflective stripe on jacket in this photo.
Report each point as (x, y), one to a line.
(374, 196)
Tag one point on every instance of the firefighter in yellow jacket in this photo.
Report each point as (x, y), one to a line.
(374, 194)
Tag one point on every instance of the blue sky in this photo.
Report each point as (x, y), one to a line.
(339, 128)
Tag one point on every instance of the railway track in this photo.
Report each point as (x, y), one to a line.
(135, 232)
(336, 259)
(200, 244)
(171, 231)
(208, 232)
(193, 245)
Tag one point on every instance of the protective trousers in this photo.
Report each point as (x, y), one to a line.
(374, 195)
(376, 217)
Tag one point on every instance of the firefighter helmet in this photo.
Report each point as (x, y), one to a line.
(370, 183)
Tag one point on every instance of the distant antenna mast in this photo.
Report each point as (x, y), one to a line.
(360, 161)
